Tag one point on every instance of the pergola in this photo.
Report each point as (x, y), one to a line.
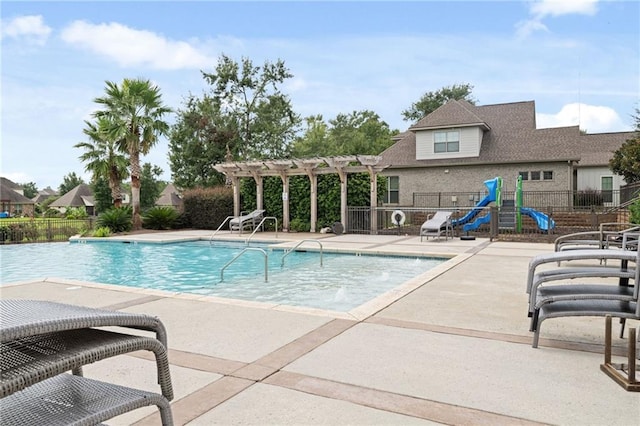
(312, 167)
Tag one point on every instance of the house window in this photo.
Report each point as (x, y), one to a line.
(393, 190)
(607, 188)
(548, 175)
(446, 141)
(535, 175)
(524, 175)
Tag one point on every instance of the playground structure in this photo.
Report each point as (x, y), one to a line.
(511, 211)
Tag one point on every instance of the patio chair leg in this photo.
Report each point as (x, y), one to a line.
(534, 320)
(622, 323)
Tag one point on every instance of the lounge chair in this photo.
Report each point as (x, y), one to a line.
(608, 235)
(438, 224)
(577, 299)
(248, 221)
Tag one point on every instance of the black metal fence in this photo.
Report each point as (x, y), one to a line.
(559, 221)
(21, 230)
(572, 200)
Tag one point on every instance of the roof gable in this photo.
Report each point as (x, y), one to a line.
(512, 138)
(8, 194)
(452, 114)
(77, 197)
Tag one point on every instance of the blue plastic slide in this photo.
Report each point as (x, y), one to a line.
(543, 221)
(473, 212)
(476, 223)
(492, 186)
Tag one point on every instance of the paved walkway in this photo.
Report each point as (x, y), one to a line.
(452, 347)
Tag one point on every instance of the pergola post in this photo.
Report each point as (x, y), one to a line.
(309, 167)
(370, 161)
(229, 170)
(282, 167)
(339, 164)
(255, 168)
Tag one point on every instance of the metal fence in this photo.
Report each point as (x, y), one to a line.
(572, 200)
(564, 221)
(16, 231)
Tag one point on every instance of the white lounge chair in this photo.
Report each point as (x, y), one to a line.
(248, 221)
(438, 224)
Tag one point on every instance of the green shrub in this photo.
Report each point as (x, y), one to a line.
(52, 213)
(299, 225)
(118, 219)
(4, 233)
(76, 213)
(635, 211)
(103, 231)
(207, 208)
(159, 218)
(588, 198)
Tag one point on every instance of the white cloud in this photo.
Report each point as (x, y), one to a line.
(590, 118)
(131, 48)
(30, 28)
(563, 7)
(544, 8)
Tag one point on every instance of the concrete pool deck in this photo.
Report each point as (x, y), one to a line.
(450, 348)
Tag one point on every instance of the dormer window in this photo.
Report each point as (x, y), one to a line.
(448, 141)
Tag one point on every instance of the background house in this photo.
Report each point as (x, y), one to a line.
(170, 197)
(459, 146)
(12, 200)
(44, 194)
(80, 196)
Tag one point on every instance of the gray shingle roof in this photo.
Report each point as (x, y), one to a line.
(7, 194)
(169, 197)
(511, 137)
(80, 196)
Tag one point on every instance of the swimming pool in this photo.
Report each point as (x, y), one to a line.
(343, 282)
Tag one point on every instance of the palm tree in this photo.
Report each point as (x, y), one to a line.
(102, 158)
(135, 110)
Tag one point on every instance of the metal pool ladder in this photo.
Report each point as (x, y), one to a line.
(297, 245)
(266, 258)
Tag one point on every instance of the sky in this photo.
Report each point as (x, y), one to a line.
(579, 60)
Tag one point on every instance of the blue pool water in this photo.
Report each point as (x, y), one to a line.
(344, 282)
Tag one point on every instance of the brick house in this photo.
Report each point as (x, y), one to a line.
(460, 145)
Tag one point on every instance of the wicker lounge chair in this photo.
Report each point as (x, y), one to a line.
(23, 318)
(248, 221)
(438, 224)
(29, 360)
(72, 400)
(578, 299)
(40, 340)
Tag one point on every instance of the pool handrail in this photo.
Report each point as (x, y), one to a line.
(266, 261)
(297, 245)
(219, 227)
(260, 225)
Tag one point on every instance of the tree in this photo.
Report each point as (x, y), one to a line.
(136, 112)
(102, 157)
(29, 189)
(150, 186)
(626, 160)
(102, 194)
(69, 182)
(253, 107)
(361, 132)
(431, 101)
(315, 140)
(197, 140)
